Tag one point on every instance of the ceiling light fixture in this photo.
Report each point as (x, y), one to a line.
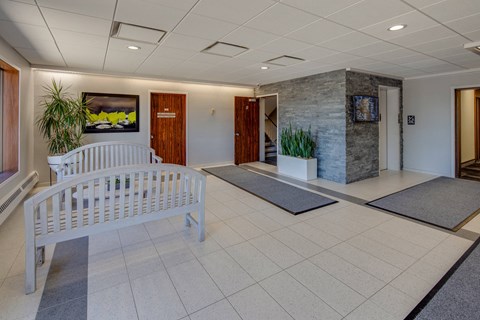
(284, 61)
(126, 31)
(397, 27)
(224, 49)
(133, 47)
(473, 47)
(264, 68)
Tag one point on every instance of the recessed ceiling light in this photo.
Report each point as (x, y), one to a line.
(397, 27)
(133, 47)
(264, 68)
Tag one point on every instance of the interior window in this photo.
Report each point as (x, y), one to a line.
(9, 121)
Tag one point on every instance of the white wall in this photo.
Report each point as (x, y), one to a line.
(26, 117)
(209, 137)
(467, 111)
(428, 145)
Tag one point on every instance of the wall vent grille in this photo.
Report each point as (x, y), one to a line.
(10, 200)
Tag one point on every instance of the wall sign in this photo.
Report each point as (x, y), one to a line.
(411, 120)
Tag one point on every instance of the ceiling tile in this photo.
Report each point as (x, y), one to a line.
(284, 46)
(322, 8)
(443, 53)
(122, 45)
(26, 36)
(445, 43)
(410, 59)
(25, 1)
(474, 36)
(421, 3)
(446, 67)
(76, 22)
(94, 8)
(249, 38)
(234, 11)
(123, 61)
(374, 48)
(449, 10)
(426, 35)
(172, 53)
(155, 66)
(319, 31)
(20, 12)
(69, 38)
(467, 24)
(337, 58)
(349, 42)
(281, 19)
(422, 64)
(180, 41)
(257, 55)
(183, 4)
(49, 56)
(369, 12)
(208, 58)
(77, 56)
(148, 14)
(314, 53)
(204, 27)
(414, 20)
(391, 56)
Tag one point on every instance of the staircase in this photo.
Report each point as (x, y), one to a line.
(471, 172)
(270, 151)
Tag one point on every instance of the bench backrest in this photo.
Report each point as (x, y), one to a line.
(144, 191)
(104, 155)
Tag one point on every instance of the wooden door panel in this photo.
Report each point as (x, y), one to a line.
(246, 130)
(168, 126)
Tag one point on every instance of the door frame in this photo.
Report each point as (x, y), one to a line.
(392, 122)
(454, 129)
(261, 133)
(149, 111)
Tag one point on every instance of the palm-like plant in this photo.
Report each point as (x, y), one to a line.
(63, 120)
(297, 143)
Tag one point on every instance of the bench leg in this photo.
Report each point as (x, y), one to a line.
(40, 256)
(187, 220)
(30, 268)
(201, 224)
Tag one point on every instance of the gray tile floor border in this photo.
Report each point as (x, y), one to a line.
(285, 196)
(66, 287)
(310, 186)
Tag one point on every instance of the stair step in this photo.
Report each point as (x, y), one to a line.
(270, 149)
(270, 155)
(470, 177)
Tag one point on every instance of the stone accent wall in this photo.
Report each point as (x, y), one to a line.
(346, 151)
(317, 101)
(362, 138)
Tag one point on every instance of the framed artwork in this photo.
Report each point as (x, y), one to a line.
(111, 112)
(365, 109)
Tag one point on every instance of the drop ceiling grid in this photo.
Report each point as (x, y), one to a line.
(310, 27)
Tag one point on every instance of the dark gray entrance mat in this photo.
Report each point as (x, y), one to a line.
(457, 295)
(285, 196)
(65, 294)
(445, 202)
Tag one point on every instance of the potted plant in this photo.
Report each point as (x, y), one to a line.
(297, 158)
(62, 122)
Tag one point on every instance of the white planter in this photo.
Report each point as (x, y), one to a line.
(54, 161)
(304, 169)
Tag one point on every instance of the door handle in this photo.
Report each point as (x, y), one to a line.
(237, 134)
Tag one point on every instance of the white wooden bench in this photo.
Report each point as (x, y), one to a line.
(104, 155)
(90, 203)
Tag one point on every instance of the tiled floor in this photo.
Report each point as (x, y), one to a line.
(343, 261)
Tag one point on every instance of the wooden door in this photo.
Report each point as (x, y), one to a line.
(246, 130)
(168, 126)
(477, 128)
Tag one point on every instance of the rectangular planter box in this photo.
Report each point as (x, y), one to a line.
(304, 169)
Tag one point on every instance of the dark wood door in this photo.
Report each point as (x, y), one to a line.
(246, 130)
(477, 128)
(168, 126)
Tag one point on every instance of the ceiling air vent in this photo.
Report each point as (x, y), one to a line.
(224, 49)
(136, 33)
(285, 61)
(473, 47)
